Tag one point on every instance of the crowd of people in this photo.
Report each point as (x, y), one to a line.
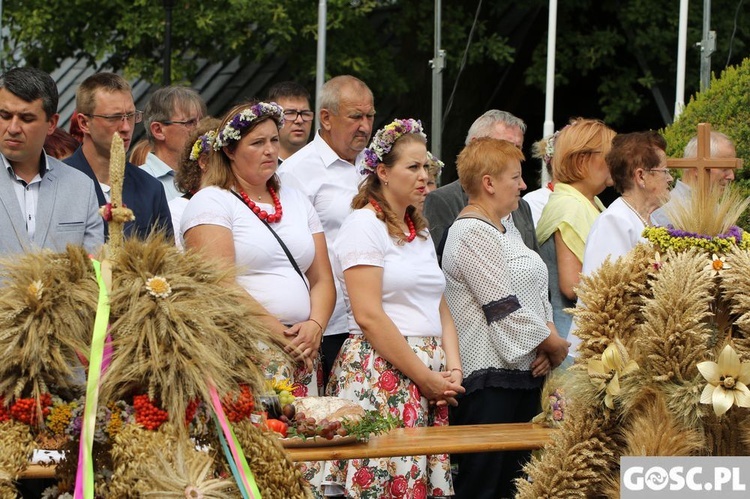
(430, 305)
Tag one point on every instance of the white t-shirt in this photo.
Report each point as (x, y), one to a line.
(614, 233)
(537, 199)
(413, 283)
(329, 183)
(176, 208)
(264, 270)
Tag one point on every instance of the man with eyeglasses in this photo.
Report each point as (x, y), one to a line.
(442, 206)
(721, 147)
(327, 170)
(171, 115)
(44, 203)
(298, 117)
(105, 107)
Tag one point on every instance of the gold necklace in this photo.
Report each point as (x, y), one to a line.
(645, 222)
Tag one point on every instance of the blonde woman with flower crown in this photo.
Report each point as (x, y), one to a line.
(244, 217)
(401, 357)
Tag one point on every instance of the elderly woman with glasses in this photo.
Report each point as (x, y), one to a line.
(581, 173)
(638, 166)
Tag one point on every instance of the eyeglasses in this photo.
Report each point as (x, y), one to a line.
(661, 170)
(191, 123)
(134, 117)
(291, 115)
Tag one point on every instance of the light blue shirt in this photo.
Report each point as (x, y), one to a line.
(163, 173)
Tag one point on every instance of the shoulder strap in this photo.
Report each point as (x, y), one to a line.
(281, 243)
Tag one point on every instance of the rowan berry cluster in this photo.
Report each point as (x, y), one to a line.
(147, 413)
(25, 409)
(239, 408)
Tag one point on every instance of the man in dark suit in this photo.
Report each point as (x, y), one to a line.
(44, 204)
(105, 107)
(442, 206)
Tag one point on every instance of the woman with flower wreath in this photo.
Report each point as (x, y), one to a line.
(193, 163)
(581, 175)
(401, 357)
(244, 217)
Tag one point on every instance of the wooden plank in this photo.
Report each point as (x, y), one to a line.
(409, 442)
(435, 440)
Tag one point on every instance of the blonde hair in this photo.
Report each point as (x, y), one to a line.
(484, 156)
(372, 188)
(575, 145)
(218, 167)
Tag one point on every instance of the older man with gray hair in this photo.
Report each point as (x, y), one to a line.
(721, 147)
(327, 170)
(443, 205)
(171, 115)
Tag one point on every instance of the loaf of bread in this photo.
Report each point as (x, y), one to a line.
(330, 408)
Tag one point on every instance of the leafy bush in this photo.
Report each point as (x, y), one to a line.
(726, 106)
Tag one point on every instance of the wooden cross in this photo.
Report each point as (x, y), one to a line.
(703, 162)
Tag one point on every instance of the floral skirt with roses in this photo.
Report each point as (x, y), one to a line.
(361, 375)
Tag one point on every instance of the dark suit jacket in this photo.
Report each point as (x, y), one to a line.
(141, 192)
(442, 206)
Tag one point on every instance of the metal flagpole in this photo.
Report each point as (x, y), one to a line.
(679, 103)
(320, 70)
(437, 64)
(708, 46)
(549, 123)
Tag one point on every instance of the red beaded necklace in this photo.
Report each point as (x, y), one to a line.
(407, 219)
(262, 214)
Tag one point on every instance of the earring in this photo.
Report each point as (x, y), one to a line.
(386, 183)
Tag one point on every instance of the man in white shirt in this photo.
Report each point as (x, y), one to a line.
(298, 117)
(44, 203)
(171, 115)
(721, 147)
(327, 170)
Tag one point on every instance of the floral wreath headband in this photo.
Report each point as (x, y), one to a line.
(549, 148)
(436, 163)
(204, 144)
(383, 141)
(232, 131)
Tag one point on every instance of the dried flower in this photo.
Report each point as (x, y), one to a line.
(35, 289)
(606, 373)
(158, 287)
(717, 264)
(383, 141)
(727, 381)
(232, 131)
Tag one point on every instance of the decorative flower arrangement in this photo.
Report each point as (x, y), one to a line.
(232, 131)
(549, 148)
(679, 240)
(605, 374)
(204, 144)
(158, 287)
(717, 264)
(727, 381)
(383, 141)
(434, 164)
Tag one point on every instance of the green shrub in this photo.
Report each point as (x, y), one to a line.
(726, 106)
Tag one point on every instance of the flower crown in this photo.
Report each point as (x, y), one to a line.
(549, 148)
(204, 143)
(232, 131)
(383, 141)
(435, 163)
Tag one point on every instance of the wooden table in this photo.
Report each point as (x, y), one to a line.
(435, 440)
(409, 442)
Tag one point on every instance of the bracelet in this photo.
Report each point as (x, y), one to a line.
(457, 369)
(316, 322)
